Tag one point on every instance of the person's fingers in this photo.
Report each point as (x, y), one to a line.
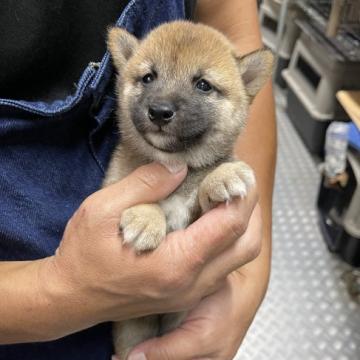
(189, 253)
(215, 231)
(244, 250)
(147, 184)
(174, 345)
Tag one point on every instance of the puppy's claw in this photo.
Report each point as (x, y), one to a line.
(143, 227)
(226, 182)
(237, 187)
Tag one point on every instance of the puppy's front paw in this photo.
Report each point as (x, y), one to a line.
(143, 226)
(226, 182)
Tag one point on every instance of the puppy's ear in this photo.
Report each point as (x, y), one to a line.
(121, 45)
(255, 68)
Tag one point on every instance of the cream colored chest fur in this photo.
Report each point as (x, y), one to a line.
(178, 209)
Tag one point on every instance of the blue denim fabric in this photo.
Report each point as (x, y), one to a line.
(52, 156)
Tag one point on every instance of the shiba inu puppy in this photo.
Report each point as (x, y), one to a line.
(183, 97)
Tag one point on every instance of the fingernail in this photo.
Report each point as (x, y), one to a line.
(175, 167)
(137, 356)
(114, 357)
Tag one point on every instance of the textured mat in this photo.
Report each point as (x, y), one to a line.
(307, 314)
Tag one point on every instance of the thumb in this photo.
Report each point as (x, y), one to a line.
(147, 184)
(176, 345)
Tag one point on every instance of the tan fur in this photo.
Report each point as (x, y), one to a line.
(227, 181)
(180, 52)
(143, 226)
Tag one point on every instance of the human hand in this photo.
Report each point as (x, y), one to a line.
(216, 327)
(98, 279)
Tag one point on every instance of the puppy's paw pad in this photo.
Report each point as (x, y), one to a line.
(226, 182)
(143, 227)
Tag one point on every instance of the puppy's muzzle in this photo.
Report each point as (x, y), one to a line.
(161, 113)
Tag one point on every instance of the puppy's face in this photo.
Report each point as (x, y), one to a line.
(183, 93)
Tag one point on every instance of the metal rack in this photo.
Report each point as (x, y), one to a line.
(325, 59)
(338, 20)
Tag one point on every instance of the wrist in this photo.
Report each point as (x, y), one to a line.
(255, 275)
(28, 312)
(54, 301)
(67, 307)
(247, 306)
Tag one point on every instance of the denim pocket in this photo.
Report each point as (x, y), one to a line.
(56, 107)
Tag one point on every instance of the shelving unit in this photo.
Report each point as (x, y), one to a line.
(350, 100)
(270, 13)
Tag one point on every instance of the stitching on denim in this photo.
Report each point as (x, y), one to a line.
(183, 9)
(82, 84)
(75, 99)
(90, 75)
(100, 125)
(104, 62)
(93, 152)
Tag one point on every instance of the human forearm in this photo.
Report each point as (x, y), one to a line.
(25, 314)
(257, 146)
(238, 20)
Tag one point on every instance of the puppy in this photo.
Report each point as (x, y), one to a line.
(183, 97)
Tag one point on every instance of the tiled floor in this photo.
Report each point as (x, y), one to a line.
(307, 314)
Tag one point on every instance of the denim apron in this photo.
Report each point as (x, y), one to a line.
(52, 156)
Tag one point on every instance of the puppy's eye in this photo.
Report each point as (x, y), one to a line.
(148, 78)
(203, 85)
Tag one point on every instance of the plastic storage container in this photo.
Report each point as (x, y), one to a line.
(269, 16)
(339, 213)
(316, 72)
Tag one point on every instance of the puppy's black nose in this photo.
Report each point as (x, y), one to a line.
(161, 113)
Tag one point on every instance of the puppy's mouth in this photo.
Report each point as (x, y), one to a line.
(177, 136)
(169, 143)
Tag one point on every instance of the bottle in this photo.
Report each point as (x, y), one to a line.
(336, 142)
